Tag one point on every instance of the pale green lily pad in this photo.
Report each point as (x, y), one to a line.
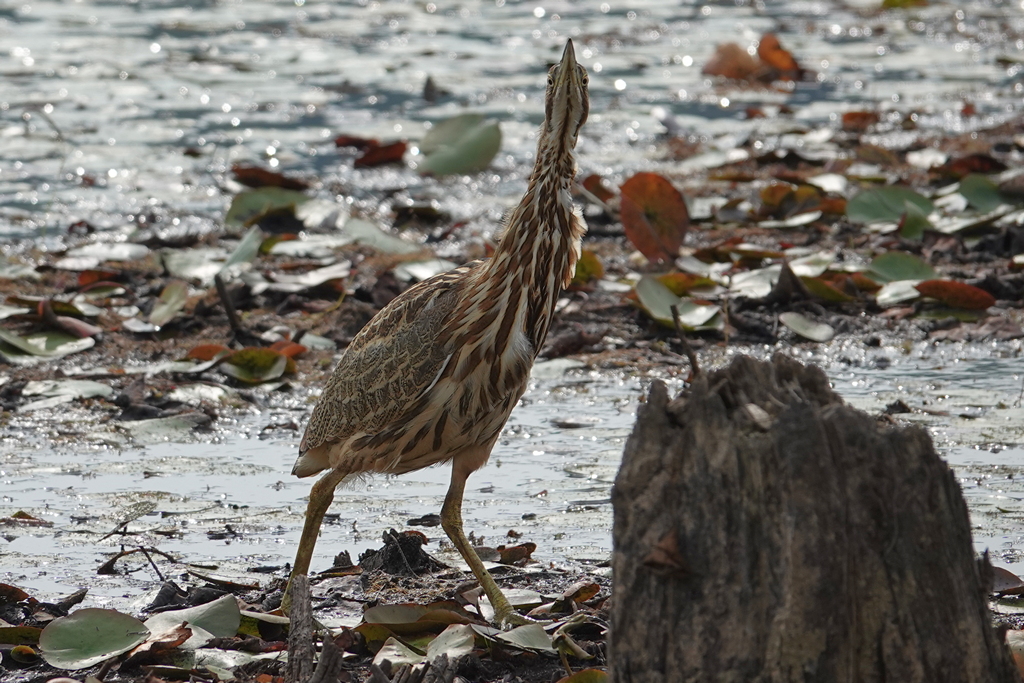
(885, 204)
(397, 653)
(111, 251)
(807, 328)
(531, 637)
(58, 392)
(368, 234)
(981, 192)
(194, 264)
(454, 641)
(755, 284)
(897, 292)
(899, 265)
(812, 265)
(657, 301)
(244, 254)
(249, 207)
(33, 348)
(315, 341)
(171, 301)
(465, 144)
(218, 618)
(417, 271)
(162, 429)
(796, 221)
(914, 223)
(89, 636)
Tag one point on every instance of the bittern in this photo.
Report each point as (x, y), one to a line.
(436, 373)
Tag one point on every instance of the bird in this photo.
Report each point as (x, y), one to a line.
(434, 376)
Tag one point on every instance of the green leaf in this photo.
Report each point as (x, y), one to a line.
(394, 614)
(885, 204)
(981, 192)
(456, 148)
(171, 301)
(657, 300)
(26, 350)
(899, 265)
(78, 388)
(20, 635)
(529, 637)
(254, 365)
(914, 222)
(396, 652)
(220, 618)
(454, 641)
(249, 207)
(897, 292)
(807, 328)
(247, 250)
(89, 636)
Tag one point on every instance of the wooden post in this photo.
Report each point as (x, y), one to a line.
(766, 531)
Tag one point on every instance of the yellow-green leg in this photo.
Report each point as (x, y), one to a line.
(320, 498)
(451, 522)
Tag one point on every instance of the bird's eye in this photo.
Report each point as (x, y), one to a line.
(551, 80)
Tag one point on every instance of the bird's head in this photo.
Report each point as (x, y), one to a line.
(566, 103)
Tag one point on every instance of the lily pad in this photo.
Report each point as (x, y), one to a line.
(957, 294)
(111, 251)
(18, 350)
(897, 292)
(531, 637)
(654, 216)
(89, 636)
(218, 618)
(171, 301)
(885, 204)
(899, 265)
(255, 365)
(249, 207)
(454, 641)
(398, 653)
(244, 254)
(657, 300)
(460, 145)
(914, 222)
(807, 328)
(982, 192)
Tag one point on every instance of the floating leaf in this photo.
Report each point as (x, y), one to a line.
(171, 301)
(588, 268)
(914, 222)
(586, 676)
(254, 365)
(1006, 582)
(731, 61)
(378, 155)
(247, 250)
(777, 57)
(971, 163)
(20, 635)
(454, 641)
(957, 294)
(657, 300)
(897, 292)
(807, 328)
(982, 192)
(397, 653)
(89, 636)
(288, 348)
(859, 121)
(594, 184)
(219, 618)
(825, 290)
(111, 251)
(207, 351)
(682, 284)
(531, 637)
(899, 265)
(654, 216)
(460, 145)
(885, 204)
(247, 208)
(30, 348)
(254, 176)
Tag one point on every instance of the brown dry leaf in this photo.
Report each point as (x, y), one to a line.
(654, 216)
(732, 61)
(516, 554)
(378, 155)
(207, 352)
(594, 184)
(957, 294)
(354, 141)
(288, 348)
(859, 121)
(254, 176)
(771, 52)
(972, 163)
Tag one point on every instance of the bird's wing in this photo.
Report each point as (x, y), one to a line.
(393, 361)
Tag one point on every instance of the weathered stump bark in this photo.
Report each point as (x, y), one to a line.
(765, 531)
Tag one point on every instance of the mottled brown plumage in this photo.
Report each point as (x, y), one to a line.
(434, 376)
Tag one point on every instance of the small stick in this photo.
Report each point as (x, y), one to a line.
(152, 564)
(229, 306)
(687, 349)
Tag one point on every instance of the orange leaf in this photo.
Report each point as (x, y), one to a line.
(254, 176)
(654, 216)
(288, 348)
(207, 351)
(774, 55)
(859, 121)
(88, 277)
(354, 141)
(732, 61)
(775, 194)
(680, 284)
(378, 155)
(594, 184)
(972, 163)
(957, 294)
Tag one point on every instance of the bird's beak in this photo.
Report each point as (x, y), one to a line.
(568, 63)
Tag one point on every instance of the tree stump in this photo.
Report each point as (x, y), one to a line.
(766, 531)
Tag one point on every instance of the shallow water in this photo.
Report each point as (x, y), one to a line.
(101, 100)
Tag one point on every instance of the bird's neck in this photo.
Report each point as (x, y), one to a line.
(537, 255)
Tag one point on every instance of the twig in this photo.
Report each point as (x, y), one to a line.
(153, 564)
(687, 349)
(229, 306)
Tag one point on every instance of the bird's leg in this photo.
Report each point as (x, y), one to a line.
(451, 522)
(320, 498)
